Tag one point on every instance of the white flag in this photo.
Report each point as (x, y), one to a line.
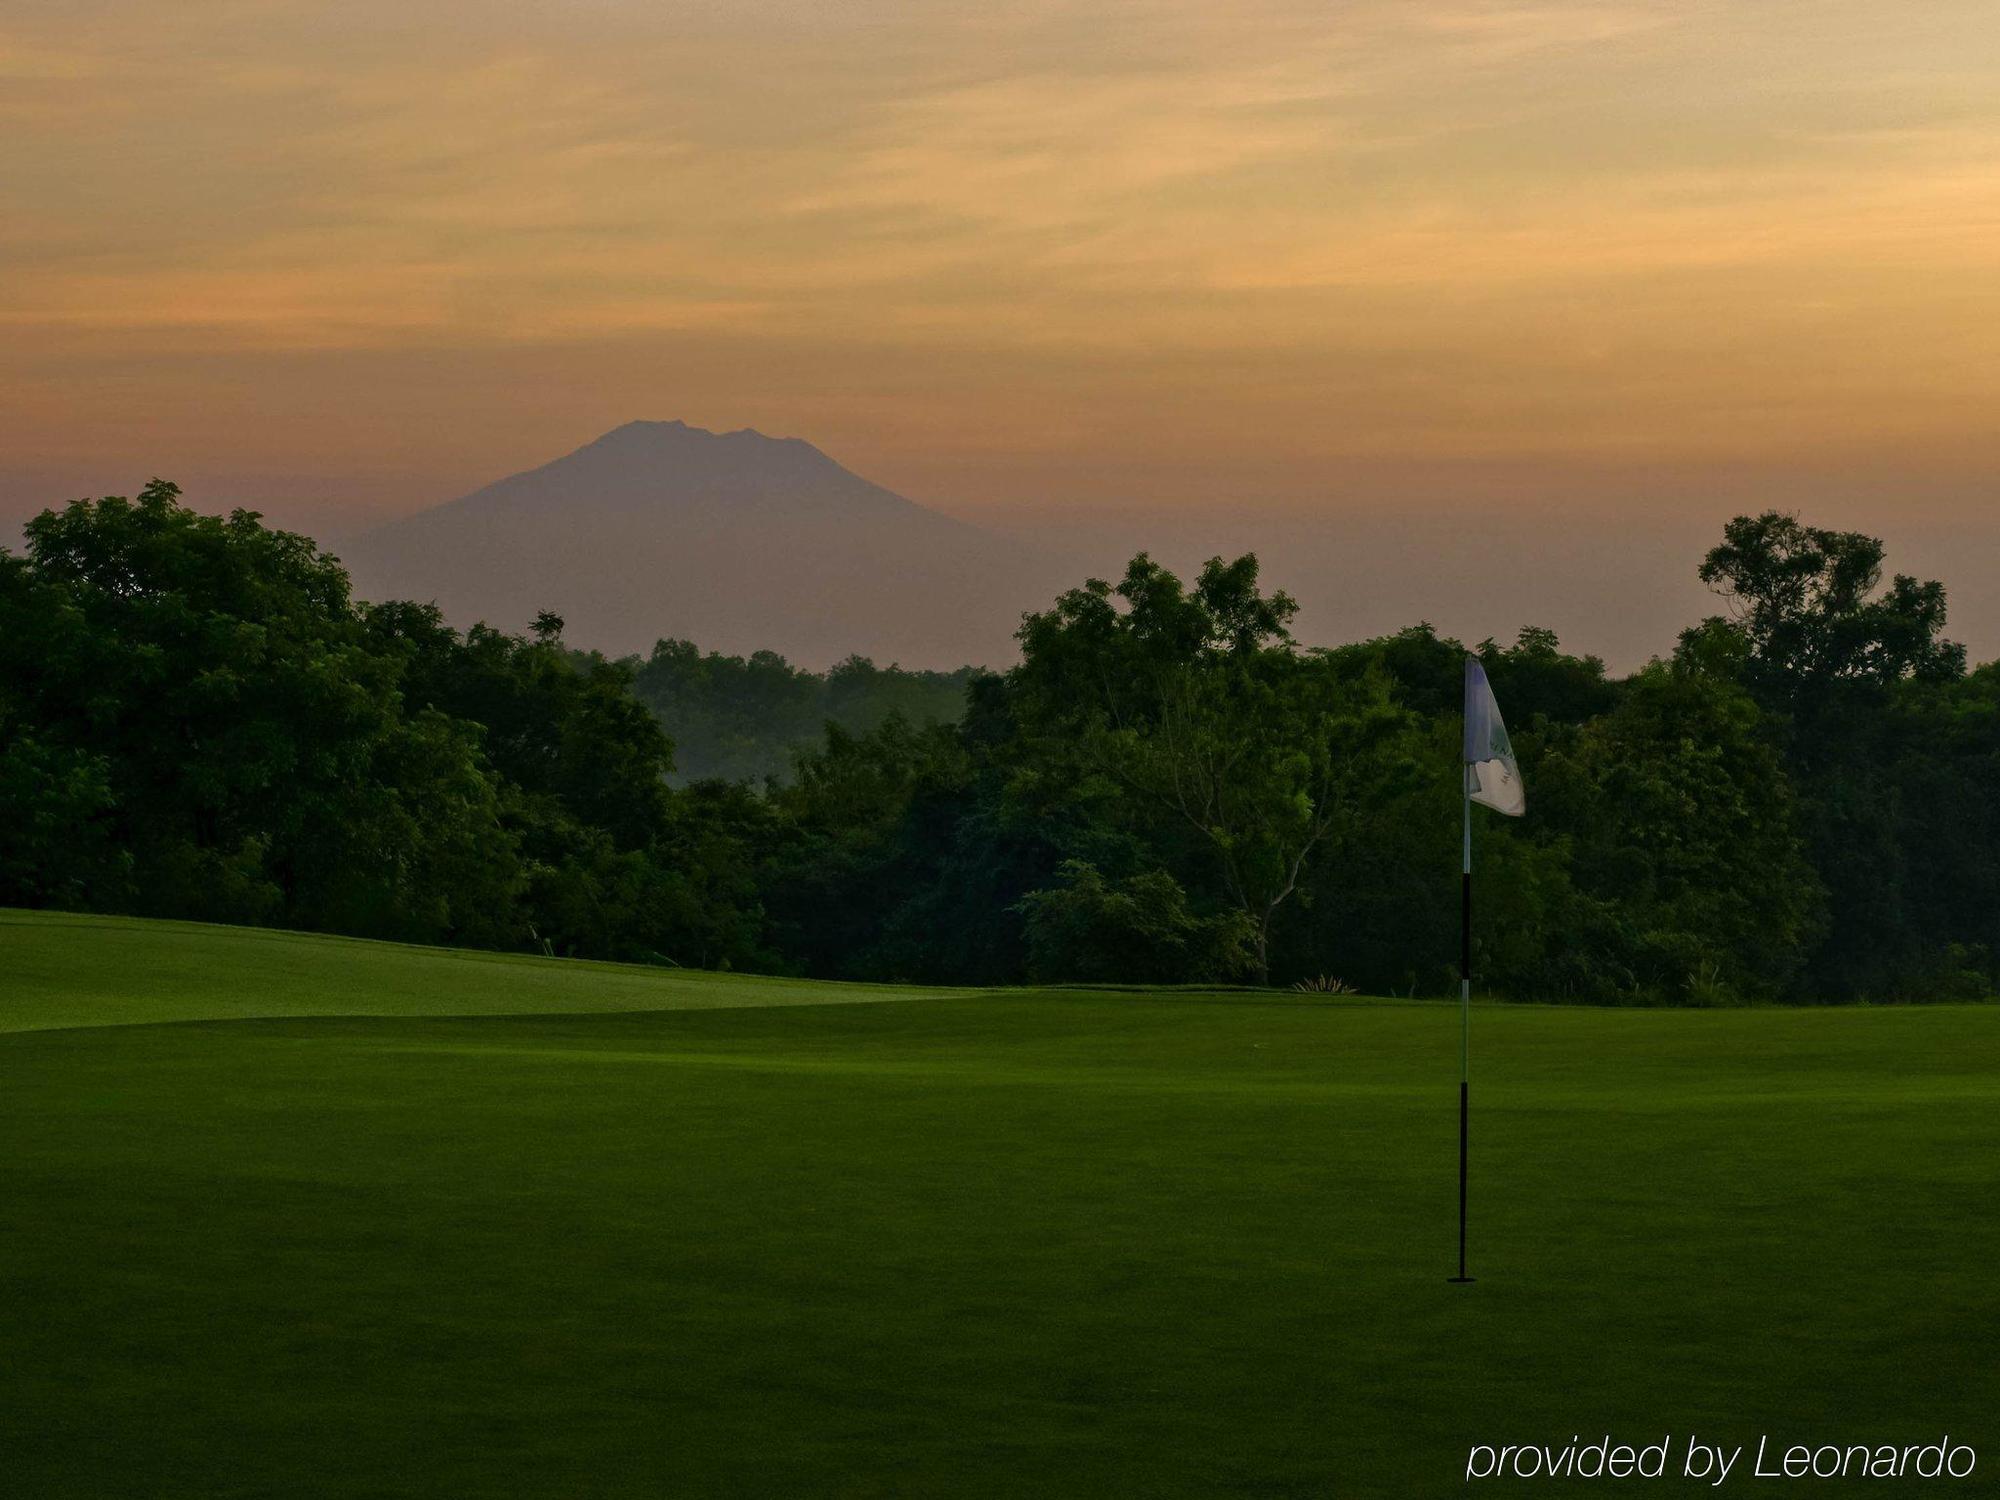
(1491, 776)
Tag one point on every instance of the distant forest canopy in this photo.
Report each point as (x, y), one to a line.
(1797, 802)
(748, 718)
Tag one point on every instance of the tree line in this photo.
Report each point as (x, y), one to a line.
(1795, 803)
(747, 718)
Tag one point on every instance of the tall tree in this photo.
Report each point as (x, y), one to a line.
(1681, 823)
(1848, 666)
(201, 687)
(1809, 606)
(1197, 705)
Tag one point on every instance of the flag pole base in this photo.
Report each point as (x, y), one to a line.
(1461, 1280)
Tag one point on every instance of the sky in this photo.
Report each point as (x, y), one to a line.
(1423, 297)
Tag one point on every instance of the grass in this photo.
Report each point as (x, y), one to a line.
(71, 970)
(1021, 1244)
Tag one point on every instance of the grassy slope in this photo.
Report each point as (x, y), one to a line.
(1105, 1245)
(72, 970)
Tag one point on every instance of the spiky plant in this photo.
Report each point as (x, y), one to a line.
(1324, 984)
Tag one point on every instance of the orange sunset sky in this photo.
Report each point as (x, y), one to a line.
(1035, 264)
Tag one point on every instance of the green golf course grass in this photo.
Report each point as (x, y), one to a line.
(71, 970)
(361, 1220)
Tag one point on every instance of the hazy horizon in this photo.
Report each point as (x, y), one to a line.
(1618, 585)
(1517, 299)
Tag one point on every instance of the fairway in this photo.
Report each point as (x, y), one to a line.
(366, 1220)
(75, 970)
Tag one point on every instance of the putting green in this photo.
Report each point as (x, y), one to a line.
(74, 970)
(985, 1245)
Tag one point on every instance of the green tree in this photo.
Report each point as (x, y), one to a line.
(1195, 705)
(1139, 930)
(583, 769)
(208, 679)
(1682, 827)
(1809, 606)
(856, 880)
(1851, 668)
(749, 718)
(58, 833)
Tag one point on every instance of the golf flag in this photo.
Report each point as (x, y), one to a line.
(1491, 775)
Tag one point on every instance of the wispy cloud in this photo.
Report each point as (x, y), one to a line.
(1472, 225)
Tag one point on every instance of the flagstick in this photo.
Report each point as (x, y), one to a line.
(1464, 1024)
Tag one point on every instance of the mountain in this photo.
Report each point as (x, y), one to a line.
(734, 540)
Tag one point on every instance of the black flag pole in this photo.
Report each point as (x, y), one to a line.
(1464, 1020)
(1489, 777)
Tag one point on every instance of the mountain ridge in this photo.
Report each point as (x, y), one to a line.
(737, 540)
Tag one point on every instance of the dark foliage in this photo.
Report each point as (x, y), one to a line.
(749, 718)
(196, 720)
